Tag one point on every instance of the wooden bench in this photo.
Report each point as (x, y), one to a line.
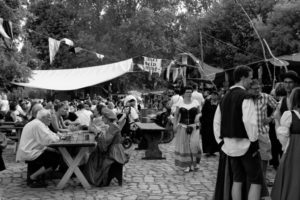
(12, 131)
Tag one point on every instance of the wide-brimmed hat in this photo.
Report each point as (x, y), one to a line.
(108, 113)
(292, 75)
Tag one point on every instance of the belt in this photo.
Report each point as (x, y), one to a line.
(186, 125)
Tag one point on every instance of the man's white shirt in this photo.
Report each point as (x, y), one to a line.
(238, 146)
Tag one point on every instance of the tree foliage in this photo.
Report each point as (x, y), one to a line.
(12, 64)
(282, 29)
(124, 29)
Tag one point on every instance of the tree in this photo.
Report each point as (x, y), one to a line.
(12, 66)
(282, 29)
(228, 38)
(117, 29)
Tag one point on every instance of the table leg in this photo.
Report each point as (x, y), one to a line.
(19, 132)
(73, 167)
(153, 152)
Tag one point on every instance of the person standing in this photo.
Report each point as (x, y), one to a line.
(290, 81)
(235, 128)
(187, 144)
(262, 101)
(198, 96)
(175, 99)
(286, 186)
(278, 93)
(209, 144)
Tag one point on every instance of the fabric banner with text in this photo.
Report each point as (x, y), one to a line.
(152, 65)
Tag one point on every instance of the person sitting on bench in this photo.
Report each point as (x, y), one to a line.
(33, 147)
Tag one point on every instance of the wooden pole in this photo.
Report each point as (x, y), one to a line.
(201, 55)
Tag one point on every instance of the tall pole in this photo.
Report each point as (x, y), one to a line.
(201, 55)
(259, 37)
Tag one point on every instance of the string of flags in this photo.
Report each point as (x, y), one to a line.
(55, 44)
(151, 65)
(54, 47)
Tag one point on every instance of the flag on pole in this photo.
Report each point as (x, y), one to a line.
(168, 69)
(53, 48)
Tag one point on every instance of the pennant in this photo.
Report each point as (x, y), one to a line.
(2, 30)
(67, 41)
(53, 48)
(99, 56)
(184, 76)
(7, 25)
(180, 72)
(168, 69)
(175, 74)
(77, 49)
(140, 66)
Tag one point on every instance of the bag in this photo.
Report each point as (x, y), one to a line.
(189, 130)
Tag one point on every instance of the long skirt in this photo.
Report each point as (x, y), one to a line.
(225, 180)
(97, 168)
(287, 181)
(187, 147)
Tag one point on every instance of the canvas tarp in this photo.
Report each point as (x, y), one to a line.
(72, 79)
(207, 72)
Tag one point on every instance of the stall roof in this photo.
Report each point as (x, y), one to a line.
(72, 79)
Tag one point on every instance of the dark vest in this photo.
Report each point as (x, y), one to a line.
(187, 116)
(283, 106)
(295, 125)
(232, 125)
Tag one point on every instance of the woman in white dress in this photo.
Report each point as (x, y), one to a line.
(187, 147)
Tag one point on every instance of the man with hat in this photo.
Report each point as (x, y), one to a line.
(290, 80)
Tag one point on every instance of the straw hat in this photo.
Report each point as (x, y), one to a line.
(108, 113)
(292, 75)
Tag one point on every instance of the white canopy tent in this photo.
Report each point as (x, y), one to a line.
(72, 79)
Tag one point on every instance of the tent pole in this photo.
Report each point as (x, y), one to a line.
(201, 52)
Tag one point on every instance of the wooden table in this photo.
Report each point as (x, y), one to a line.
(11, 127)
(77, 140)
(153, 134)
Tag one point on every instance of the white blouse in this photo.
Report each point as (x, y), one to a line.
(283, 131)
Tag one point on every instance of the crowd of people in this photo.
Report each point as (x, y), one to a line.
(251, 129)
(48, 122)
(242, 130)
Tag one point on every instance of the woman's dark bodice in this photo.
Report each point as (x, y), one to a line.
(295, 126)
(187, 116)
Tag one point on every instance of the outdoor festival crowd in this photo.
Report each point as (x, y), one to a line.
(251, 129)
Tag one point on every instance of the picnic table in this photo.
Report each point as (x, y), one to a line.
(153, 133)
(78, 139)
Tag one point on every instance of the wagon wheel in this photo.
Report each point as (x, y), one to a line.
(169, 133)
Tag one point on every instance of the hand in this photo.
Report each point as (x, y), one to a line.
(277, 114)
(267, 120)
(92, 116)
